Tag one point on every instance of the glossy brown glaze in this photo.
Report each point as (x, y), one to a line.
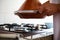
(30, 5)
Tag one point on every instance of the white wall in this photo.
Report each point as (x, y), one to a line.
(7, 8)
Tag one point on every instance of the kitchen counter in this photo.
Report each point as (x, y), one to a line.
(43, 33)
(27, 35)
(7, 34)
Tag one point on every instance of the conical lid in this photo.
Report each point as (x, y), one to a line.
(30, 5)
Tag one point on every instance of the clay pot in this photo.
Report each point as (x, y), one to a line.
(30, 5)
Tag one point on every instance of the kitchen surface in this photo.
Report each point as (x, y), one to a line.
(26, 31)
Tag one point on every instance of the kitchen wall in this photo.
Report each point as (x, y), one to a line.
(7, 9)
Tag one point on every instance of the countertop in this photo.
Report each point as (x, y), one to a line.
(43, 33)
